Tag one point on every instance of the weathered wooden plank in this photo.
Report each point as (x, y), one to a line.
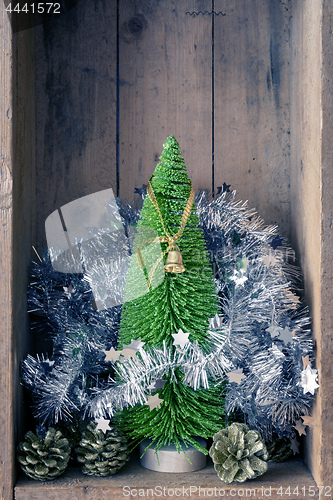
(134, 480)
(165, 88)
(6, 259)
(305, 191)
(251, 104)
(76, 106)
(326, 345)
(24, 209)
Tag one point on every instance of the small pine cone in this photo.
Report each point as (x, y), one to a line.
(44, 457)
(238, 453)
(102, 453)
(279, 450)
(72, 431)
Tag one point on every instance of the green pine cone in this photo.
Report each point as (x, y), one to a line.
(102, 453)
(279, 450)
(44, 458)
(72, 431)
(238, 453)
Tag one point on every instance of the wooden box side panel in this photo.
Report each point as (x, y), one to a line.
(17, 225)
(311, 204)
(305, 174)
(326, 278)
(6, 221)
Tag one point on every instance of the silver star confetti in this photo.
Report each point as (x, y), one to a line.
(286, 335)
(154, 401)
(310, 421)
(300, 427)
(236, 376)
(180, 338)
(239, 277)
(68, 291)
(135, 345)
(294, 446)
(158, 384)
(103, 424)
(274, 330)
(309, 378)
(111, 355)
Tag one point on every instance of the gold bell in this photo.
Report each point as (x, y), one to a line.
(174, 262)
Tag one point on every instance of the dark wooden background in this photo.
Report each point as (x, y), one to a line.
(116, 78)
(87, 101)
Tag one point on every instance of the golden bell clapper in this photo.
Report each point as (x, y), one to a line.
(174, 262)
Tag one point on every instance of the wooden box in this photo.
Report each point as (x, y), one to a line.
(88, 98)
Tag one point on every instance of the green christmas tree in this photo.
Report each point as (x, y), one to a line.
(158, 304)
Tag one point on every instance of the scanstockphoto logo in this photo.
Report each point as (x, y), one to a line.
(24, 15)
(189, 491)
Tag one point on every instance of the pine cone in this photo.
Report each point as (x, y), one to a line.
(44, 456)
(103, 454)
(279, 450)
(72, 430)
(238, 453)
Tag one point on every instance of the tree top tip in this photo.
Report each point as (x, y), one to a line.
(171, 139)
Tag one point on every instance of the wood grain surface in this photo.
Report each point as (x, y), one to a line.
(134, 480)
(76, 109)
(251, 104)
(6, 260)
(246, 88)
(165, 77)
(114, 83)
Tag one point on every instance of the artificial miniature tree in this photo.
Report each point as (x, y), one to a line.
(160, 306)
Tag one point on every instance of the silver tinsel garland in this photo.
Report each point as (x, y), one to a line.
(256, 346)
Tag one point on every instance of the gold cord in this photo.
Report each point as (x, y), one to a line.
(185, 216)
(168, 238)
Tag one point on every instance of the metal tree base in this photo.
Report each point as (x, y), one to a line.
(168, 459)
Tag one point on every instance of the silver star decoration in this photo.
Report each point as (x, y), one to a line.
(135, 345)
(180, 338)
(294, 446)
(236, 376)
(103, 424)
(242, 264)
(111, 355)
(68, 290)
(300, 427)
(154, 401)
(310, 421)
(309, 378)
(47, 363)
(286, 335)
(128, 350)
(239, 277)
(274, 330)
(215, 322)
(127, 353)
(157, 384)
